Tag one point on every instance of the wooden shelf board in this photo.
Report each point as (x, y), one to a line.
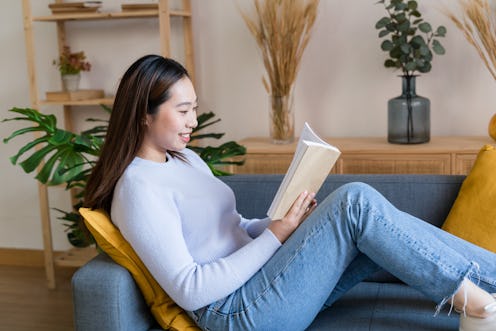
(89, 102)
(108, 15)
(76, 257)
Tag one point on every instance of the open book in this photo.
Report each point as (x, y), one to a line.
(312, 162)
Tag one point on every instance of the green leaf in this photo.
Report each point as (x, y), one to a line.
(390, 63)
(26, 148)
(420, 62)
(395, 53)
(382, 23)
(403, 27)
(69, 165)
(405, 48)
(401, 6)
(437, 47)
(22, 131)
(417, 42)
(426, 68)
(425, 27)
(416, 13)
(400, 18)
(411, 66)
(387, 45)
(207, 135)
(441, 31)
(417, 21)
(383, 33)
(412, 5)
(35, 159)
(47, 168)
(83, 140)
(60, 137)
(424, 50)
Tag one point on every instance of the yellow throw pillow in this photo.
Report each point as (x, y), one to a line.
(473, 215)
(167, 313)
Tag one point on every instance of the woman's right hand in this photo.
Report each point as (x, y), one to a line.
(301, 208)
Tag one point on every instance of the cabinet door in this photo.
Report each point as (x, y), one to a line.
(395, 164)
(463, 163)
(264, 164)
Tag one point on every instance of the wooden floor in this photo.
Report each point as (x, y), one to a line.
(27, 304)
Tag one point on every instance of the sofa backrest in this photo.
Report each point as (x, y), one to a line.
(428, 197)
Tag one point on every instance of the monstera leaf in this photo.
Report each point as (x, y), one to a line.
(65, 154)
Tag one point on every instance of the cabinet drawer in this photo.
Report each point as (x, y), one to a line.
(394, 164)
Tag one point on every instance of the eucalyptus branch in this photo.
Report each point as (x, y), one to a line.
(411, 42)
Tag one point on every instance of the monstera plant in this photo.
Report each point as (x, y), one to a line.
(67, 158)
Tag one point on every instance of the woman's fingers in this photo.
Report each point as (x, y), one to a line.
(301, 205)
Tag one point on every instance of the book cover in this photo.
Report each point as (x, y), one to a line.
(312, 162)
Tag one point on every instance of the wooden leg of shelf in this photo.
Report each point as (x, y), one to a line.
(47, 236)
(164, 25)
(188, 41)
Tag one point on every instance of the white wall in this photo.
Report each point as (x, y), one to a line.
(342, 88)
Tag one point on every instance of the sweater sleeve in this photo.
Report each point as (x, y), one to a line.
(151, 223)
(255, 227)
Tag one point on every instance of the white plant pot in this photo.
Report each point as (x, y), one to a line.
(71, 82)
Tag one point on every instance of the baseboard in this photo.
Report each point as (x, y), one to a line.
(23, 257)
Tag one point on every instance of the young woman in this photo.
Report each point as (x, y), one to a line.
(232, 273)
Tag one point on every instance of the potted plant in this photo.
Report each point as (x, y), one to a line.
(69, 158)
(478, 24)
(282, 30)
(410, 42)
(70, 65)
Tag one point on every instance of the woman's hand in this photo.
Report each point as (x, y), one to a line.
(301, 208)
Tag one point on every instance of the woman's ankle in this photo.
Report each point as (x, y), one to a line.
(471, 300)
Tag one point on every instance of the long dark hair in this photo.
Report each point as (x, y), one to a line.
(143, 88)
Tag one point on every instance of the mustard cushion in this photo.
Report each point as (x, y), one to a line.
(473, 215)
(167, 313)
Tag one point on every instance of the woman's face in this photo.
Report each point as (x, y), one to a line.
(170, 128)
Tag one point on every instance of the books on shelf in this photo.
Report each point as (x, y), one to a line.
(139, 6)
(312, 162)
(74, 7)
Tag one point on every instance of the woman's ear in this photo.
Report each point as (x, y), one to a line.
(147, 120)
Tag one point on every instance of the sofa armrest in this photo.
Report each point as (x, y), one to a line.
(106, 298)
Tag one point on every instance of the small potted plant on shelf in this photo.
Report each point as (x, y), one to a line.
(410, 43)
(70, 66)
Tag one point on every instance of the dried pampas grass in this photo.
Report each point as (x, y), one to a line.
(282, 30)
(478, 24)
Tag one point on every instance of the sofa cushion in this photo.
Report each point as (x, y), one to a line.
(108, 237)
(473, 215)
(373, 306)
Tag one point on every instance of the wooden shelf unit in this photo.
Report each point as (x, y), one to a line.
(77, 257)
(442, 155)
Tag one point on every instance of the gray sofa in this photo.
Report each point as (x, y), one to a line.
(106, 297)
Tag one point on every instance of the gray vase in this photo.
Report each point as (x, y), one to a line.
(409, 116)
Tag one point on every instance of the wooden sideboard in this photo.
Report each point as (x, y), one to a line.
(442, 155)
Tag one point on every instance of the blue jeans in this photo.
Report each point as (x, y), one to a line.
(352, 233)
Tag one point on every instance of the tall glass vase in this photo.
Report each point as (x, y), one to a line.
(281, 119)
(409, 116)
